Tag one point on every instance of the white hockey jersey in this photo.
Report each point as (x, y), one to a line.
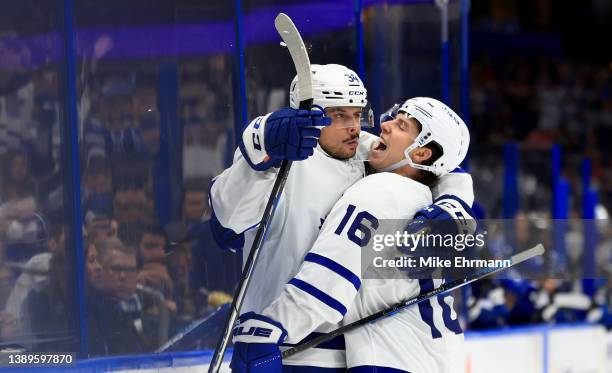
(329, 287)
(239, 196)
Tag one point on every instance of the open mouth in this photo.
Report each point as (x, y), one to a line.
(380, 146)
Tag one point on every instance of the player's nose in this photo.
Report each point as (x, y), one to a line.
(353, 123)
(385, 127)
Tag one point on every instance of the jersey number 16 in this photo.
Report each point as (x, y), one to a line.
(365, 233)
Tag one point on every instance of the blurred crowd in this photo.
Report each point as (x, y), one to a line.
(540, 101)
(547, 89)
(559, 288)
(143, 281)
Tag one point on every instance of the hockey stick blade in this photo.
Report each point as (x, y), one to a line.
(293, 41)
(446, 287)
(196, 329)
(527, 254)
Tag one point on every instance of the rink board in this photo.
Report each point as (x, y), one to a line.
(576, 349)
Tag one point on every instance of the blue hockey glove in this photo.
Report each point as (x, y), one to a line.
(390, 114)
(448, 215)
(292, 134)
(256, 340)
(446, 208)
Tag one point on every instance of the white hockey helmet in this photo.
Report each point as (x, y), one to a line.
(333, 86)
(440, 124)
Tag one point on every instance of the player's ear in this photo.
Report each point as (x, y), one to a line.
(420, 155)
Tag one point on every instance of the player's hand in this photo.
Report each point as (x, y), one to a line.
(293, 134)
(448, 209)
(256, 341)
(390, 114)
(448, 215)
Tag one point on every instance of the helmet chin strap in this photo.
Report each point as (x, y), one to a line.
(407, 161)
(396, 165)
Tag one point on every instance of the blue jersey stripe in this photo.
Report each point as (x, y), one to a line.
(225, 238)
(311, 369)
(426, 310)
(335, 267)
(375, 368)
(452, 324)
(321, 296)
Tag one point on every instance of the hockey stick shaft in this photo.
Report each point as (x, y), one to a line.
(299, 55)
(245, 279)
(446, 287)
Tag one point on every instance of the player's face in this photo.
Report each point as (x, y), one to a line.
(340, 139)
(395, 136)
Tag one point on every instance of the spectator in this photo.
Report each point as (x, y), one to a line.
(195, 200)
(210, 283)
(152, 258)
(215, 272)
(155, 278)
(560, 302)
(487, 305)
(16, 178)
(115, 317)
(98, 178)
(521, 302)
(152, 245)
(180, 265)
(6, 284)
(47, 310)
(601, 312)
(131, 205)
(96, 282)
(149, 134)
(203, 140)
(26, 231)
(99, 226)
(33, 276)
(17, 92)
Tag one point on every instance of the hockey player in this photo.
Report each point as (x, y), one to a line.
(426, 140)
(314, 185)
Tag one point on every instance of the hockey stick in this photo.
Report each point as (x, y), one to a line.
(293, 41)
(196, 329)
(514, 260)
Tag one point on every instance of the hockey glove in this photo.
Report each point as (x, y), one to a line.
(448, 215)
(256, 340)
(446, 209)
(292, 134)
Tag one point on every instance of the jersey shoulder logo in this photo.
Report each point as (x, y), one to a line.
(256, 142)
